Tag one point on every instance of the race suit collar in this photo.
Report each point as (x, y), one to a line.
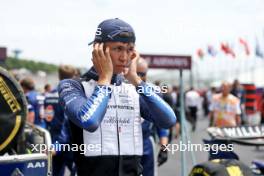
(92, 74)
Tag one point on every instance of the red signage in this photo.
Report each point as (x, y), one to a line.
(3, 54)
(168, 62)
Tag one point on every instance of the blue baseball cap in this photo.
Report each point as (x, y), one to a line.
(114, 30)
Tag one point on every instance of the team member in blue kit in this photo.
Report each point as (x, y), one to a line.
(105, 113)
(149, 132)
(35, 102)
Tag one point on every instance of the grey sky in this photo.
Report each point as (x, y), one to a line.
(58, 31)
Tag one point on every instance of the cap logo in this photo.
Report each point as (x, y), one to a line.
(98, 31)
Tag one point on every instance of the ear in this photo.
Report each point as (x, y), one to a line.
(134, 55)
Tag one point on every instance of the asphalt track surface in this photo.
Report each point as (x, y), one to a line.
(173, 166)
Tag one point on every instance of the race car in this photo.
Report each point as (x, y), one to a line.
(226, 162)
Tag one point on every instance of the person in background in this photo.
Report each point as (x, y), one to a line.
(167, 97)
(47, 88)
(174, 95)
(157, 83)
(238, 91)
(192, 100)
(35, 102)
(149, 130)
(225, 108)
(208, 97)
(175, 104)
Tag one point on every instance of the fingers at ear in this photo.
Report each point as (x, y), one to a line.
(101, 50)
(95, 51)
(107, 53)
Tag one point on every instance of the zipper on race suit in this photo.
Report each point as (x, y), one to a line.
(118, 139)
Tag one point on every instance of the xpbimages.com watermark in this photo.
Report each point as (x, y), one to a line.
(147, 90)
(214, 148)
(82, 148)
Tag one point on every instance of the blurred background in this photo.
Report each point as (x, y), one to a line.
(225, 39)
